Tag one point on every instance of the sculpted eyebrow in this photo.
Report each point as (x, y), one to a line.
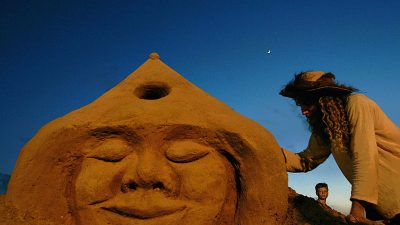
(124, 132)
(237, 143)
(188, 132)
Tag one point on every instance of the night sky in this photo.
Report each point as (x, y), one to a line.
(57, 56)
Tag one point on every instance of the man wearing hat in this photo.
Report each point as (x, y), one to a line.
(364, 142)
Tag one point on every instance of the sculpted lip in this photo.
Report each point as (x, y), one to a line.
(142, 204)
(147, 213)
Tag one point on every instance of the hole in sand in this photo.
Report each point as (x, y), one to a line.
(152, 91)
(158, 186)
(132, 186)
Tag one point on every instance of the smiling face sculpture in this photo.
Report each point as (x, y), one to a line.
(159, 175)
(155, 149)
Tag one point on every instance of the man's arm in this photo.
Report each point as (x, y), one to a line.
(315, 153)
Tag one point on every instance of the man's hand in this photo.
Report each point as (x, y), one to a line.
(357, 209)
(357, 214)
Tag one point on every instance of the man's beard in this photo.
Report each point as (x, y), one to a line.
(317, 125)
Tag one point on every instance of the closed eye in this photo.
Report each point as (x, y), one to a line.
(112, 150)
(187, 151)
(190, 157)
(107, 159)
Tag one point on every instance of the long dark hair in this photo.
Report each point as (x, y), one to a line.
(331, 122)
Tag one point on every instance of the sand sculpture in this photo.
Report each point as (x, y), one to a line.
(155, 149)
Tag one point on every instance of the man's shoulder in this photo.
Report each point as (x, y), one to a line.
(359, 99)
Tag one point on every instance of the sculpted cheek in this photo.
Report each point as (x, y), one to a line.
(95, 182)
(205, 180)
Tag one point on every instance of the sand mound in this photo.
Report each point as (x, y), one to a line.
(155, 149)
(305, 210)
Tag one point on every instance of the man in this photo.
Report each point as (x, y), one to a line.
(322, 192)
(363, 140)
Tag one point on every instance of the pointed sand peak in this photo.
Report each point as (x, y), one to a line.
(154, 55)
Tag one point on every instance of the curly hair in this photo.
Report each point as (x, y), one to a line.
(336, 121)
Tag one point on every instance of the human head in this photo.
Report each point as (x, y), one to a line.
(153, 132)
(308, 87)
(322, 191)
(323, 101)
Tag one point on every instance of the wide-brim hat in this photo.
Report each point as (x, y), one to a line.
(314, 84)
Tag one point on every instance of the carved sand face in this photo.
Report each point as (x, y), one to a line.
(153, 150)
(155, 175)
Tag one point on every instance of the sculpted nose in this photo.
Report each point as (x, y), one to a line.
(149, 171)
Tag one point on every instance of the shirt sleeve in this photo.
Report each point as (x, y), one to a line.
(315, 154)
(364, 150)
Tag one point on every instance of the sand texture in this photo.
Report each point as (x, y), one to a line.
(155, 149)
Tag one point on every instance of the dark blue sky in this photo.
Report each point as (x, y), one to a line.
(57, 56)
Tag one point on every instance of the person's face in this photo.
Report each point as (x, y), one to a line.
(158, 176)
(322, 193)
(308, 108)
